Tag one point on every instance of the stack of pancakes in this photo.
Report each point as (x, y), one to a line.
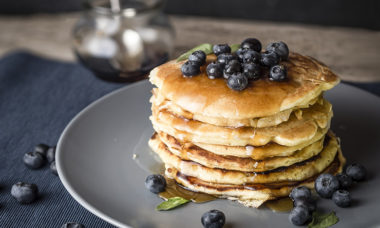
(252, 145)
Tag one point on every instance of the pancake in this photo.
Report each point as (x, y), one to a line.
(211, 160)
(296, 172)
(307, 79)
(268, 121)
(251, 195)
(293, 132)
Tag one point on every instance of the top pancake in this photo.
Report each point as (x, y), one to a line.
(307, 79)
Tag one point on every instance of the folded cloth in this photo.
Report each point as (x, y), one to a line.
(38, 97)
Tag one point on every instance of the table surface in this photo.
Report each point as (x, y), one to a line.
(352, 53)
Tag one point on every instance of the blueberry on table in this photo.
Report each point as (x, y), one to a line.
(199, 57)
(50, 154)
(299, 215)
(53, 168)
(309, 203)
(342, 198)
(225, 58)
(237, 81)
(300, 192)
(278, 73)
(345, 181)
(280, 48)
(24, 193)
(221, 48)
(232, 67)
(156, 183)
(41, 148)
(251, 43)
(269, 59)
(214, 70)
(190, 68)
(356, 171)
(72, 225)
(33, 160)
(252, 70)
(213, 219)
(251, 56)
(326, 184)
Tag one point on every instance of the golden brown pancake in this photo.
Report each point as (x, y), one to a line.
(307, 79)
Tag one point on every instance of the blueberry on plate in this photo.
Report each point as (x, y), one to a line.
(278, 73)
(299, 215)
(214, 70)
(199, 57)
(240, 53)
(221, 48)
(269, 59)
(190, 68)
(326, 184)
(237, 81)
(232, 67)
(50, 154)
(251, 43)
(345, 181)
(33, 160)
(342, 198)
(280, 48)
(41, 148)
(251, 56)
(356, 171)
(213, 219)
(72, 225)
(225, 58)
(24, 193)
(53, 168)
(156, 183)
(311, 204)
(252, 70)
(300, 192)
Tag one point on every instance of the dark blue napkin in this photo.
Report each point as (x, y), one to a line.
(38, 97)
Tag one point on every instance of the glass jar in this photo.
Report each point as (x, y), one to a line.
(122, 40)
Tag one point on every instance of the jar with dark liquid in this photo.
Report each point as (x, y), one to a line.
(123, 43)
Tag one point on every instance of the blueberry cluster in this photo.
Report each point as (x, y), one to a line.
(327, 186)
(247, 63)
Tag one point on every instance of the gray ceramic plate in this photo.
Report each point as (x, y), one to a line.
(95, 163)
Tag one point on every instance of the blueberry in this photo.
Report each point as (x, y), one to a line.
(356, 171)
(199, 57)
(342, 198)
(213, 219)
(190, 68)
(221, 48)
(156, 183)
(41, 148)
(24, 193)
(232, 67)
(345, 181)
(278, 73)
(269, 59)
(326, 184)
(50, 154)
(280, 48)
(225, 58)
(252, 71)
(214, 70)
(251, 56)
(237, 81)
(53, 168)
(309, 203)
(72, 225)
(251, 43)
(240, 53)
(300, 192)
(33, 160)
(299, 215)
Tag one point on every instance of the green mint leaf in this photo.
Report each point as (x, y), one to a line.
(234, 47)
(207, 48)
(171, 203)
(323, 220)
